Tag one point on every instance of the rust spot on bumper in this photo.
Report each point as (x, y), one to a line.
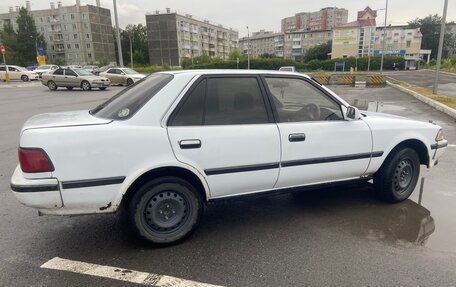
(106, 207)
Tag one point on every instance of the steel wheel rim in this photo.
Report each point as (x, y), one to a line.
(403, 175)
(166, 211)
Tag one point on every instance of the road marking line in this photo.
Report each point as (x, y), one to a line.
(452, 145)
(147, 279)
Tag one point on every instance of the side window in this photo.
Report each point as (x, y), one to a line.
(58, 72)
(69, 72)
(297, 100)
(2, 69)
(112, 71)
(231, 101)
(12, 69)
(191, 112)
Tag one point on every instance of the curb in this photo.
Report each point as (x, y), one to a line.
(436, 105)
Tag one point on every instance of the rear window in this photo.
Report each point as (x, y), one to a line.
(126, 103)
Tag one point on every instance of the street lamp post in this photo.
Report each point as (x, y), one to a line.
(384, 37)
(248, 48)
(439, 52)
(119, 47)
(131, 52)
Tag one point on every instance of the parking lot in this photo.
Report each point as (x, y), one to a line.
(338, 236)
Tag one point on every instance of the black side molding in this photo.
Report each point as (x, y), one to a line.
(92, 182)
(34, 188)
(244, 168)
(331, 159)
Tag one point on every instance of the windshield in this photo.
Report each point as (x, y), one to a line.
(21, 69)
(126, 103)
(129, 71)
(82, 72)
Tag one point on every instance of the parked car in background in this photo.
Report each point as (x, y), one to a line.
(175, 141)
(122, 76)
(40, 70)
(90, 68)
(74, 66)
(17, 73)
(287, 69)
(74, 78)
(97, 71)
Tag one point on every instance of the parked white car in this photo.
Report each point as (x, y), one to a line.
(177, 140)
(17, 73)
(44, 69)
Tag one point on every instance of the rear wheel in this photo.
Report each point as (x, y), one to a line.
(165, 211)
(86, 86)
(130, 82)
(24, 78)
(397, 178)
(52, 86)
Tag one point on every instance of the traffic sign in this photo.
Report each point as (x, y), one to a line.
(2, 50)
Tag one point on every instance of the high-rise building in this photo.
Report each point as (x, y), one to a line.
(262, 42)
(173, 36)
(325, 19)
(297, 43)
(74, 34)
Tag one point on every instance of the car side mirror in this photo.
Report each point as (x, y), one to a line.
(352, 113)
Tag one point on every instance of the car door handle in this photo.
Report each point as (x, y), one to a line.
(297, 137)
(189, 144)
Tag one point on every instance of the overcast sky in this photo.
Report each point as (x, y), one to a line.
(257, 14)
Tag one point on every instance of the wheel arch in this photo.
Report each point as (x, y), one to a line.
(416, 145)
(176, 171)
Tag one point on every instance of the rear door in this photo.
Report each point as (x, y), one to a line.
(58, 77)
(318, 144)
(224, 128)
(14, 73)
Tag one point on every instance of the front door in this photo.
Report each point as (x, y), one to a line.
(318, 144)
(224, 128)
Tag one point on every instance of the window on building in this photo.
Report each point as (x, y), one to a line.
(72, 16)
(87, 36)
(63, 17)
(76, 46)
(48, 19)
(89, 55)
(41, 19)
(65, 27)
(75, 36)
(68, 46)
(42, 29)
(74, 26)
(83, 16)
(51, 38)
(408, 44)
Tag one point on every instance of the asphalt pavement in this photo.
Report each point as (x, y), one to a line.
(339, 237)
(425, 79)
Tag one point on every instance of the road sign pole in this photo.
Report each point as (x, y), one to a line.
(3, 51)
(439, 52)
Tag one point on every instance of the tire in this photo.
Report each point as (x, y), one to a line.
(52, 86)
(130, 82)
(102, 88)
(25, 78)
(165, 211)
(86, 86)
(397, 178)
(69, 88)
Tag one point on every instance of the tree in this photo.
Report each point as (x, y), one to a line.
(430, 29)
(138, 35)
(319, 52)
(29, 38)
(9, 39)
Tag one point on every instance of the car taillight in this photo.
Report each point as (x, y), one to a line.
(34, 160)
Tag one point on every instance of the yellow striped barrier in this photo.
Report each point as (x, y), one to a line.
(346, 80)
(322, 79)
(376, 81)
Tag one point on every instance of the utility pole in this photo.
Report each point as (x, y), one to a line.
(384, 37)
(131, 53)
(248, 48)
(439, 53)
(119, 47)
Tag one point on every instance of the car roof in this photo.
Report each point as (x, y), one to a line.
(235, 72)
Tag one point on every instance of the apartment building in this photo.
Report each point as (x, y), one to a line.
(296, 44)
(173, 36)
(74, 34)
(262, 42)
(355, 39)
(325, 19)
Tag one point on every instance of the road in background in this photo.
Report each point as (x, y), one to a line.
(340, 236)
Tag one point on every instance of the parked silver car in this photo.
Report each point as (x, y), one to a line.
(71, 78)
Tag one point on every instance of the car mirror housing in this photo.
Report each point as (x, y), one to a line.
(352, 113)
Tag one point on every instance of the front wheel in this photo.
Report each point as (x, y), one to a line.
(25, 78)
(130, 82)
(397, 178)
(86, 86)
(165, 211)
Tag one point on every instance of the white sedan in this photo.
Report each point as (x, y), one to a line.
(177, 140)
(17, 73)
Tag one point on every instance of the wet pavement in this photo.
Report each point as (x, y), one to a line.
(425, 79)
(335, 236)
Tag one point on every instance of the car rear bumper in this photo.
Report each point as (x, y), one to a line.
(36, 193)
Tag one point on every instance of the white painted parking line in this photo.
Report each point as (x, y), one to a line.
(147, 279)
